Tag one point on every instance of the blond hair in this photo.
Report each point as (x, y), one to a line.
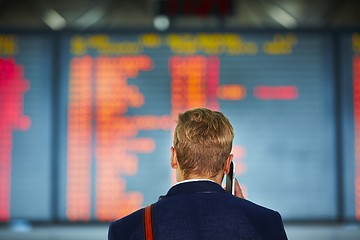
(202, 141)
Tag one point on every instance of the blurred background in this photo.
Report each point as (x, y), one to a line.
(90, 92)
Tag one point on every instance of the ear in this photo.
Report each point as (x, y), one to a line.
(227, 163)
(173, 160)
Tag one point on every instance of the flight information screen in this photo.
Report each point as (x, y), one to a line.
(350, 75)
(121, 94)
(25, 126)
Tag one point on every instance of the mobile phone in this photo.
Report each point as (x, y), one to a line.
(230, 179)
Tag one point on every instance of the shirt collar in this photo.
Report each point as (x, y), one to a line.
(194, 180)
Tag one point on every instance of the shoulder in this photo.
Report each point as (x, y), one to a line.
(258, 211)
(265, 220)
(127, 227)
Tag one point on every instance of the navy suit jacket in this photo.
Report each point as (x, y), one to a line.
(202, 210)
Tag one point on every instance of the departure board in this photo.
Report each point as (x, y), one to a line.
(25, 127)
(350, 75)
(121, 94)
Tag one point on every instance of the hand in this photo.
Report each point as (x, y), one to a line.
(238, 191)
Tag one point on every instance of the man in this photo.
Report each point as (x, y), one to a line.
(197, 207)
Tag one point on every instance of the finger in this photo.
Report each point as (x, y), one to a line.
(238, 191)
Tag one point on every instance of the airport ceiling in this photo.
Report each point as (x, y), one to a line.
(140, 14)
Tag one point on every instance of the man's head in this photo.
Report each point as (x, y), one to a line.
(202, 143)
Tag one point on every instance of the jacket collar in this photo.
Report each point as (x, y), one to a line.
(201, 186)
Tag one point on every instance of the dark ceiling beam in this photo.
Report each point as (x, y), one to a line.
(20, 14)
(334, 8)
(253, 12)
(142, 5)
(2, 6)
(1, 2)
(315, 13)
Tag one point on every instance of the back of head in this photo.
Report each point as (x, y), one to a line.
(202, 141)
